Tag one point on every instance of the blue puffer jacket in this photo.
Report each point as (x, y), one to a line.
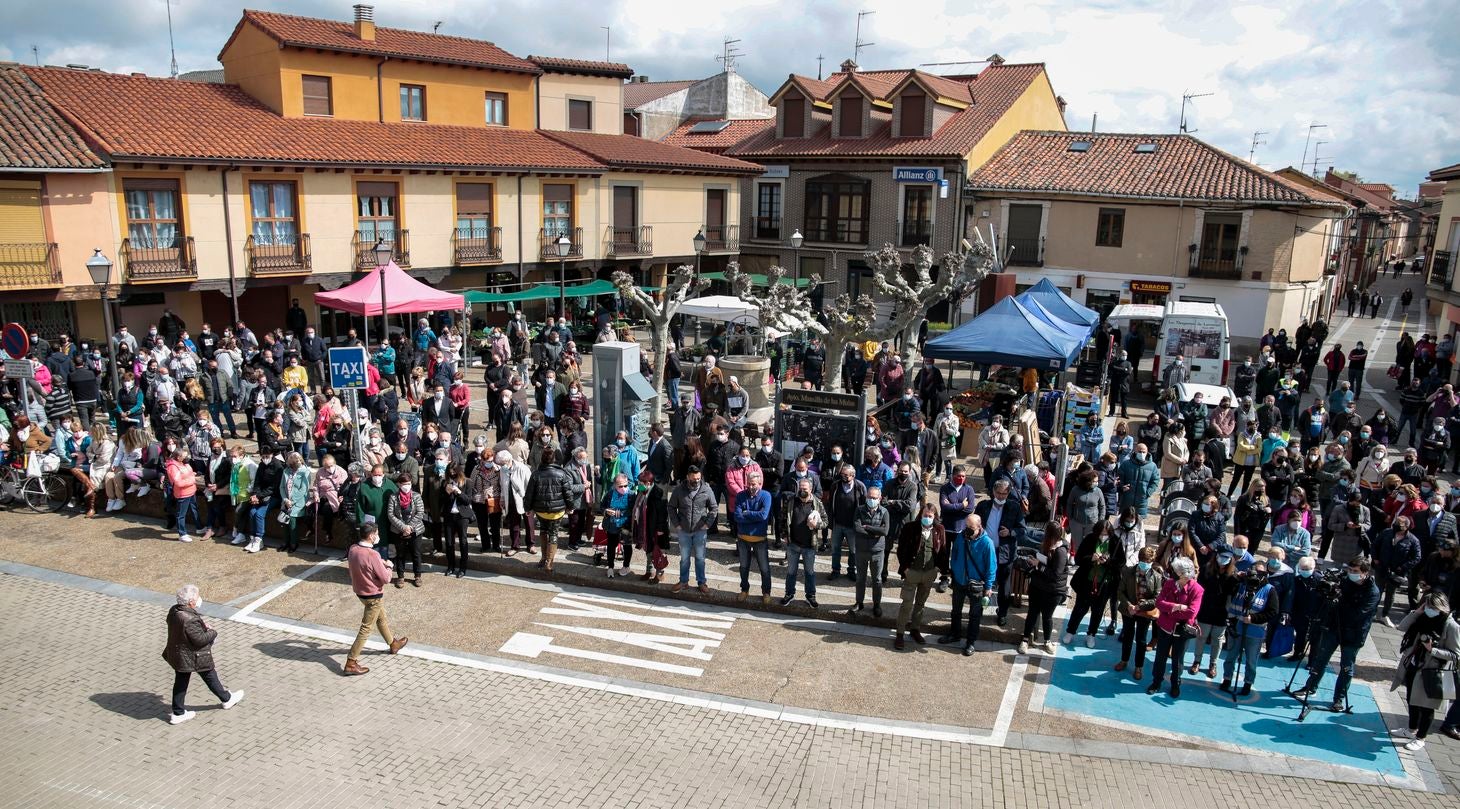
(752, 512)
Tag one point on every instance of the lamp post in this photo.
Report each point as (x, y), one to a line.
(100, 268)
(699, 242)
(796, 241)
(565, 246)
(383, 253)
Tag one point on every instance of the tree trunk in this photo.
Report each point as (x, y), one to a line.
(659, 342)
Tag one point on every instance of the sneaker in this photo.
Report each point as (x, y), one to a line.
(1023, 647)
(1401, 733)
(1389, 622)
(132, 489)
(1414, 745)
(1110, 630)
(612, 573)
(1066, 638)
(1304, 692)
(257, 545)
(233, 699)
(1049, 647)
(623, 571)
(142, 492)
(1089, 641)
(812, 601)
(238, 539)
(184, 538)
(1153, 689)
(179, 718)
(786, 602)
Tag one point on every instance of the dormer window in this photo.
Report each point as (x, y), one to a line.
(849, 114)
(912, 115)
(793, 117)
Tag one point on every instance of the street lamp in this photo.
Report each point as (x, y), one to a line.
(699, 241)
(383, 253)
(100, 268)
(565, 246)
(796, 241)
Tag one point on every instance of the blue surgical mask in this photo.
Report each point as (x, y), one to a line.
(1303, 574)
(1144, 567)
(927, 522)
(620, 442)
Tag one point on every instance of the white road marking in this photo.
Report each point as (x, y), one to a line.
(526, 644)
(285, 587)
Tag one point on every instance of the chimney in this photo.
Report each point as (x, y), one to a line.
(641, 79)
(849, 66)
(995, 59)
(365, 23)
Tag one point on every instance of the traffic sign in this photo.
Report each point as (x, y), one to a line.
(19, 369)
(347, 368)
(15, 340)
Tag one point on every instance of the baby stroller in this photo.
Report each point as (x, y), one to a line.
(1177, 505)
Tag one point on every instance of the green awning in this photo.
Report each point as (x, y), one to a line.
(756, 279)
(599, 287)
(713, 276)
(540, 292)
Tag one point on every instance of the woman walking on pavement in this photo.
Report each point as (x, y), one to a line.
(190, 651)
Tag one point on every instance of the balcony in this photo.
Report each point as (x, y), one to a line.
(278, 259)
(364, 247)
(28, 264)
(159, 263)
(476, 245)
(768, 227)
(721, 238)
(914, 232)
(622, 242)
(1222, 269)
(547, 244)
(1442, 271)
(1026, 252)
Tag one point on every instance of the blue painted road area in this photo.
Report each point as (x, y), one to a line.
(1082, 682)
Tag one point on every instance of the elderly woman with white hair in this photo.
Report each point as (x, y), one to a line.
(512, 477)
(1177, 607)
(190, 651)
(296, 490)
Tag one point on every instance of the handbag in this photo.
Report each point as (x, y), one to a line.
(1283, 639)
(1186, 630)
(975, 589)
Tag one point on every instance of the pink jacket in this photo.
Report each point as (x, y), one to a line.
(183, 479)
(327, 486)
(372, 379)
(1173, 594)
(368, 573)
(735, 479)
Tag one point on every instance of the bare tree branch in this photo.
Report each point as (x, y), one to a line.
(681, 284)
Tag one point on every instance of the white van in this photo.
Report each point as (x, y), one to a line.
(1196, 330)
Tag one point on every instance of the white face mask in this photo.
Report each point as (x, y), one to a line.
(406, 488)
(377, 480)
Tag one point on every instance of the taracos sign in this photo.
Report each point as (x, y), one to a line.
(916, 174)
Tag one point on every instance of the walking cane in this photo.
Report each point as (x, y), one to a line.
(316, 529)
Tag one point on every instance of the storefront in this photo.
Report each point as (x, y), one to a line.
(1153, 293)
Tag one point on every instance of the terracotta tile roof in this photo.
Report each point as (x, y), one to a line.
(1446, 173)
(34, 136)
(1370, 198)
(638, 93)
(629, 152)
(993, 91)
(582, 67)
(339, 36)
(1180, 168)
(715, 142)
(146, 118)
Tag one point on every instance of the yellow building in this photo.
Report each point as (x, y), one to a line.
(325, 139)
(1440, 264)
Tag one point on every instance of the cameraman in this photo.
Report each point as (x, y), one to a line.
(1347, 628)
(1252, 603)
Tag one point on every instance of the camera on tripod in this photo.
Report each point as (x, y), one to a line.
(1326, 585)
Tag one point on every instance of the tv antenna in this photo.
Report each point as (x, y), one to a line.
(729, 54)
(1185, 100)
(1255, 143)
(857, 48)
(607, 41)
(1316, 144)
(171, 46)
(1308, 140)
(436, 26)
(35, 54)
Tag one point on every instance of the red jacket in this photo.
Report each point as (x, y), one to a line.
(368, 573)
(183, 479)
(1171, 595)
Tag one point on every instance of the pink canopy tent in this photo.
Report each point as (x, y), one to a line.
(403, 294)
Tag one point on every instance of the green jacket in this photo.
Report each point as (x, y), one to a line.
(371, 500)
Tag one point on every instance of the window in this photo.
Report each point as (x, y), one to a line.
(378, 212)
(152, 213)
(715, 218)
(912, 114)
(318, 98)
(497, 109)
(473, 210)
(859, 279)
(625, 208)
(275, 220)
(917, 216)
(557, 209)
(1218, 250)
(850, 115)
(580, 114)
(836, 210)
(412, 102)
(793, 117)
(1079, 146)
(1110, 230)
(768, 211)
(631, 124)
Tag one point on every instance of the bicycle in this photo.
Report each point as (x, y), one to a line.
(44, 494)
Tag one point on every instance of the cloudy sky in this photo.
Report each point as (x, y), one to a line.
(1383, 75)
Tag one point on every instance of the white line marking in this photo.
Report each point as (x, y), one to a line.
(1000, 733)
(526, 644)
(285, 587)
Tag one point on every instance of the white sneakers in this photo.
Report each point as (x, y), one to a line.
(184, 538)
(238, 538)
(623, 571)
(612, 572)
(116, 505)
(1049, 647)
(1389, 622)
(179, 718)
(1065, 640)
(256, 545)
(132, 489)
(1414, 744)
(1089, 641)
(233, 699)
(142, 492)
(1023, 647)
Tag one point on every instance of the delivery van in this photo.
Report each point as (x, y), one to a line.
(1197, 331)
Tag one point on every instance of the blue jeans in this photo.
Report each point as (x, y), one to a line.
(220, 411)
(259, 513)
(840, 534)
(798, 557)
(762, 556)
(1248, 647)
(692, 543)
(186, 507)
(673, 386)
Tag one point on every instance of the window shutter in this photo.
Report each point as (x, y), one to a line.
(913, 110)
(474, 199)
(21, 221)
(793, 117)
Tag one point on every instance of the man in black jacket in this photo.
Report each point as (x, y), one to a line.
(1245, 379)
(1346, 629)
(660, 458)
(84, 392)
(718, 456)
(1120, 379)
(1412, 403)
(1003, 519)
(813, 363)
(900, 498)
(931, 387)
(798, 472)
(313, 351)
(440, 410)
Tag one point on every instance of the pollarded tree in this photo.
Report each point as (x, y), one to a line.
(962, 272)
(782, 306)
(847, 321)
(681, 285)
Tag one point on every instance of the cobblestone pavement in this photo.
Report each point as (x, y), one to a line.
(85, 726)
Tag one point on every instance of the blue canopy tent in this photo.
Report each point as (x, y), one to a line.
(1059, 304)
(1077, 331)
(1009, 333)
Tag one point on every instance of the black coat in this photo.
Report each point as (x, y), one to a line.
(189, 640)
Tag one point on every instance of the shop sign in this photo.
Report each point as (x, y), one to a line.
(1151, 287)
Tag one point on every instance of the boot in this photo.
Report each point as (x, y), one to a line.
(398, 644)
(353, 667)
(90, 502)
(549, 553)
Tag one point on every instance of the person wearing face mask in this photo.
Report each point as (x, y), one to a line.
(434, 477)
(1122, 443)
(441, 411)
(296, 490)
(692, 507)
(1370, 472)
(1139, 479)
(401, 462)
(1396, 556)
(1346, 528)
(509, 414)
(1429, 651)
(581, 474)
(551, 493)
(617, 506)
(870, 528)
(1346, 630)
(1002, 516)
(406, 513)
(189, 651)
(1177, 606)
(993, 442)
(485, 487)
(1140, 582)
(1434, 445)
(372, 503)
(737, 480)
